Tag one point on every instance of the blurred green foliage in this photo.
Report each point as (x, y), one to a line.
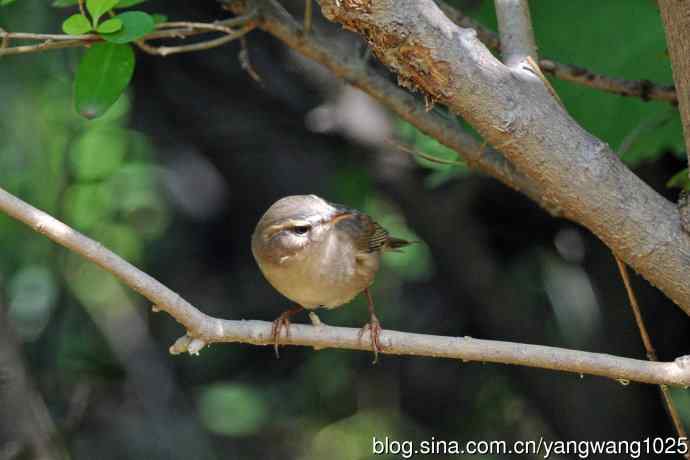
(97, 176)
(680, 180)
(233, 409)
(102, 178)
(433, 155)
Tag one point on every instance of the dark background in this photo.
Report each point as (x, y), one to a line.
(174, 179)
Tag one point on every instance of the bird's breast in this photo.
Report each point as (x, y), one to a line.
(329, 273)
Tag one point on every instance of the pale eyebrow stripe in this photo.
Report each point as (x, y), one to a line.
(275, 228)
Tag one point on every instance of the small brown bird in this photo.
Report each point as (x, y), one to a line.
(320, 255)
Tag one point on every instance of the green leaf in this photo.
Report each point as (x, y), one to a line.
(103, 74)
(63, 3)
(135, 24)
(6, 2)
(680, 180)
(98, 8)
(159, 18)
(110, 26)
(76, 24)
(128, 3)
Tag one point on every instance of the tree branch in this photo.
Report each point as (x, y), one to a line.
(644, 89)
(273, 19)
(203, 329)
(573, 169)
(179, 29)
(676, 18)
(515, 28)
(168, 50)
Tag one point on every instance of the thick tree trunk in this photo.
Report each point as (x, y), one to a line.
(577, 173)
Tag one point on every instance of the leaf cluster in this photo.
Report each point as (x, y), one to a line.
(106, 68)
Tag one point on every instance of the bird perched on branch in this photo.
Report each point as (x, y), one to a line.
(320, 255)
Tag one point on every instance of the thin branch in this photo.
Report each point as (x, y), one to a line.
(175, 30)
(246, 62)
(515, 28)
(211, 27)
(39, 48)
(203, 329)
(644, 127)
(307, 16)
(416, 153)
(168, 50)
(644, 89)
(51, 37)
(461, 348)
(651, 353)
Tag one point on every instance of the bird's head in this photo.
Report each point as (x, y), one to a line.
(290, 226)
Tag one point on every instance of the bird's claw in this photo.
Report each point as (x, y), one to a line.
(283, 321)
(374, 327)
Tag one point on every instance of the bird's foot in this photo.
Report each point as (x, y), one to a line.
(282, 322)
(374, 327)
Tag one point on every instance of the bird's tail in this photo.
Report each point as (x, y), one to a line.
(394, 244)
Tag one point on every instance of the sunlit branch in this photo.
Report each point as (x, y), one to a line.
(203, 330)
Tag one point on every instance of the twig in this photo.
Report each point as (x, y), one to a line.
(644, 127)
(176, 29)
(651, 353)
(45, 46)
(246, 62)
(515, 28)
(644, 89)
(214, 26)
(534, 68)
(53, 37)
(168, 50)
(203, 329)
(416, 153)
(307, 16)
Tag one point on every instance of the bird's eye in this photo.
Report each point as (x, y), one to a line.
(301, 229)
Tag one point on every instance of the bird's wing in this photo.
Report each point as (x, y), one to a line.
(369, 235)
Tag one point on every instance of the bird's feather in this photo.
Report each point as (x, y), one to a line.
(368, 235)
